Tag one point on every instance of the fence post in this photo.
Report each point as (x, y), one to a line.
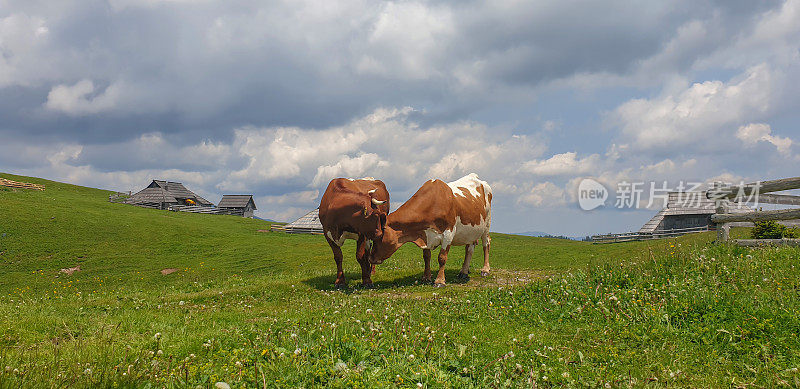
(723, 229)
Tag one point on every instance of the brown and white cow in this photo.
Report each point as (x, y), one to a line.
(354, 209)
(441, 215)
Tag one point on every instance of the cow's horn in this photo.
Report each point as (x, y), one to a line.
(378, 202)
(372, 191)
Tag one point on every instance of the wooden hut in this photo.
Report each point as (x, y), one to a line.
(683, 210)
(307, 224)
(164, 194)
(237, 204)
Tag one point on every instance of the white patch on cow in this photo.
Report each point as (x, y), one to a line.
(434, 239)
(460, 234)
(468, 234)
(340, 241)
(369, 179)
(470, 182)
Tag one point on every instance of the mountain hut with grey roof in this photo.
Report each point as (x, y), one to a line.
(238, 203)
(165, 194)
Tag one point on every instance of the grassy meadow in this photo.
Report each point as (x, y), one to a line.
(258, 309)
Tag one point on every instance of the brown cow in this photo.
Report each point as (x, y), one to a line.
(354, 209)
(441, 214)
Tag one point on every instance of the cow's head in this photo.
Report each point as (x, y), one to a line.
(384, 246)
(374, 214)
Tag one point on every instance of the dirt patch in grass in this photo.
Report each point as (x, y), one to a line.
(168, 270)
(68, 271)
(497, 278)
(503, 277)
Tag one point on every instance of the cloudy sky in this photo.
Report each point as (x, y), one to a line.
(277, 98)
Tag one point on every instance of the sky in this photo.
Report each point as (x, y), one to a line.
(276, 98)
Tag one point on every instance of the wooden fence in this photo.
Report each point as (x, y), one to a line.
(21, 185)
(119, 197)
(631, 236)
(724, 197)
(206, 210)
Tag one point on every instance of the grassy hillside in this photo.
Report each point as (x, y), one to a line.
(258, 309)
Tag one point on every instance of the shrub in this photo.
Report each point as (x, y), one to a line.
(772, 230)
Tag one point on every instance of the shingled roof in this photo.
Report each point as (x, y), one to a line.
(178, 191)
(162, 194)
(236, 201)
(152, 195)
(307, 224)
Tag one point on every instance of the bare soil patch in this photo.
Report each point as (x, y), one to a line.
(68, 271)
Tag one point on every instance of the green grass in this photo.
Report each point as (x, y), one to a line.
(258, 308)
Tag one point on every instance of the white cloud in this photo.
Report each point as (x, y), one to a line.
(385, 143)
(355, 167)
(83, 98)
(698, 114)
(545, 194)
(301, 197)
(406, 41)
(563, 164)
(753, 133)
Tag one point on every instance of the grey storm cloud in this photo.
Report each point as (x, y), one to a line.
(101, 71)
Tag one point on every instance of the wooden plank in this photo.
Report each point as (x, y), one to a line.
(770, 199)
(20, 185)
(767, 242)
(748, 189)
(782, 214)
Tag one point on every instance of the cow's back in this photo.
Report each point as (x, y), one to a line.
(345, 193)
(458, 212)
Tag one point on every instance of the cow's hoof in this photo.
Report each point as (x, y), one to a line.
(427, 282)
(463, 277)
(484, 273)
(368, 286)
(438, 285)
(340, 286)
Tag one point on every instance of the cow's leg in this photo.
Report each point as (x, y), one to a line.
(442, 261)
(464, 273)
(487, 241)
(369, 249)
(426, 256)
(341, 282)
(366, 267)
